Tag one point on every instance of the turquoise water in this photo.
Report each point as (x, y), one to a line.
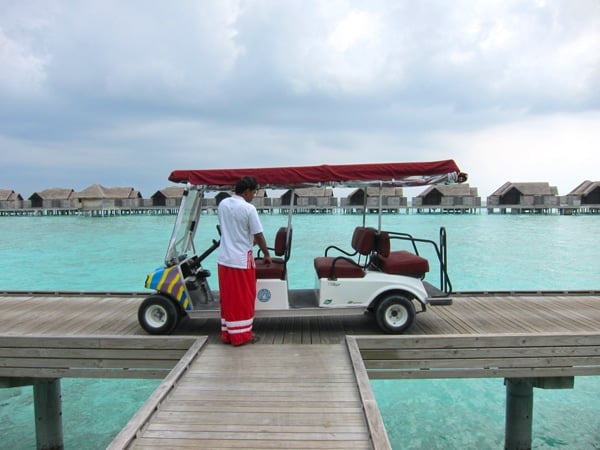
(485, 252)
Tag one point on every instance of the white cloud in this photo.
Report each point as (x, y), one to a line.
(136, 88)
(559, 149)
(21, 71)
(353, 28)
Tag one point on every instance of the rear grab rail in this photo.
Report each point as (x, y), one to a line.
(440, 249)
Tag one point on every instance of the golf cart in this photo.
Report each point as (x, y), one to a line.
(373, 276)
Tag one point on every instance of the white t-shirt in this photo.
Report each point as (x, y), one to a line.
(239, 223)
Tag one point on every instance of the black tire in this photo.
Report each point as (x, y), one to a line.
(158, 314)
(395, 313)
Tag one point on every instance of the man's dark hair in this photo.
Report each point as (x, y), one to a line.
(245, 183)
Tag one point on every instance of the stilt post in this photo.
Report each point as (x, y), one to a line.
(519, 413)
(48, 414)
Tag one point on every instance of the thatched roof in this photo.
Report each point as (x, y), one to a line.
(313, 192)
(96, 191)
(54, 194)
(527, 188)
(385, 192)
(9, 195)
(585, 188)
(451, 190)
(170, 192)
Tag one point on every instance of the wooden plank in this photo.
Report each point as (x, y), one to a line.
(520, 355)
(257, 444)
(479, 340)
(483, 363)
(313, 418)
(483, 373)
(98, 342)
(374, 420)
(94, 357)
(133, 427)
(268, 394)
(41, 372)
(265, 406)
(323, 436)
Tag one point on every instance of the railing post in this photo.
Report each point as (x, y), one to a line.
(48, 414)
(519, 413)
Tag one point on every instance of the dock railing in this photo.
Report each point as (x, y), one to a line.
(41, 361)
(525, 361)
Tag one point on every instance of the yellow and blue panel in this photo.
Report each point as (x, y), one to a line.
(168, 280)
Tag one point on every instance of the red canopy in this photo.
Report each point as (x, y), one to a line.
(389, 174)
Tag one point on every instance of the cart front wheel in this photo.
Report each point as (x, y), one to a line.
(158, 315)
(395, 313)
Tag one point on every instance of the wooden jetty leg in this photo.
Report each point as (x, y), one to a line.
(48, 414)
(519, 412)
(519, 407)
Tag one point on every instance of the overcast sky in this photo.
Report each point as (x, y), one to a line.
(123, 92)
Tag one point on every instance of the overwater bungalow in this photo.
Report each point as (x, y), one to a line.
(261, 200)
(98, 199)
(392, 200)
(451, 198)
(53, 201)
(527, 197)
(585, 198)
(307, 200)
(10, 200)
(448, 198)
(169, 197)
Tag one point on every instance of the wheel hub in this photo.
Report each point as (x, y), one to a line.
(396, 315)
(156, 316)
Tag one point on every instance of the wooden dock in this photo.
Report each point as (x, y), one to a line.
(92, 314)
(260, 397)
(308, 389)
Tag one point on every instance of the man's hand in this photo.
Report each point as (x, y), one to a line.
(259, 239)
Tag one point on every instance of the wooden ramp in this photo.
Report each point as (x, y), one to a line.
(261, 397)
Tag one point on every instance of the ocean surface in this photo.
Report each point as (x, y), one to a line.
(485, 252)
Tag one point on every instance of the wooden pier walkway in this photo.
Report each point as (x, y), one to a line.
(308, 389)
(261, 397)
(59, 314)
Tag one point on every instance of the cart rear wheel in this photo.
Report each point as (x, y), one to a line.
(395, 313)
(158, 314)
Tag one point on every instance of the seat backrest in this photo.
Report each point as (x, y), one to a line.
(383, 246)
(280, 241)
(363, 240)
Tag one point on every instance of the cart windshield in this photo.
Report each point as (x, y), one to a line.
(181, 244)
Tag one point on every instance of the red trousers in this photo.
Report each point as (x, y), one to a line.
(237, 289)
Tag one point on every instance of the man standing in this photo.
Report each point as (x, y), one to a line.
(240, 230)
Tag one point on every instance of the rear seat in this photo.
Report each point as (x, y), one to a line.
(278, 267)
(363, 243)
(398, 262)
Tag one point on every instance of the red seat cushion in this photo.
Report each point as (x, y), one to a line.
(342, 269)
(275, 270)
(401, 262)
(363, 242)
